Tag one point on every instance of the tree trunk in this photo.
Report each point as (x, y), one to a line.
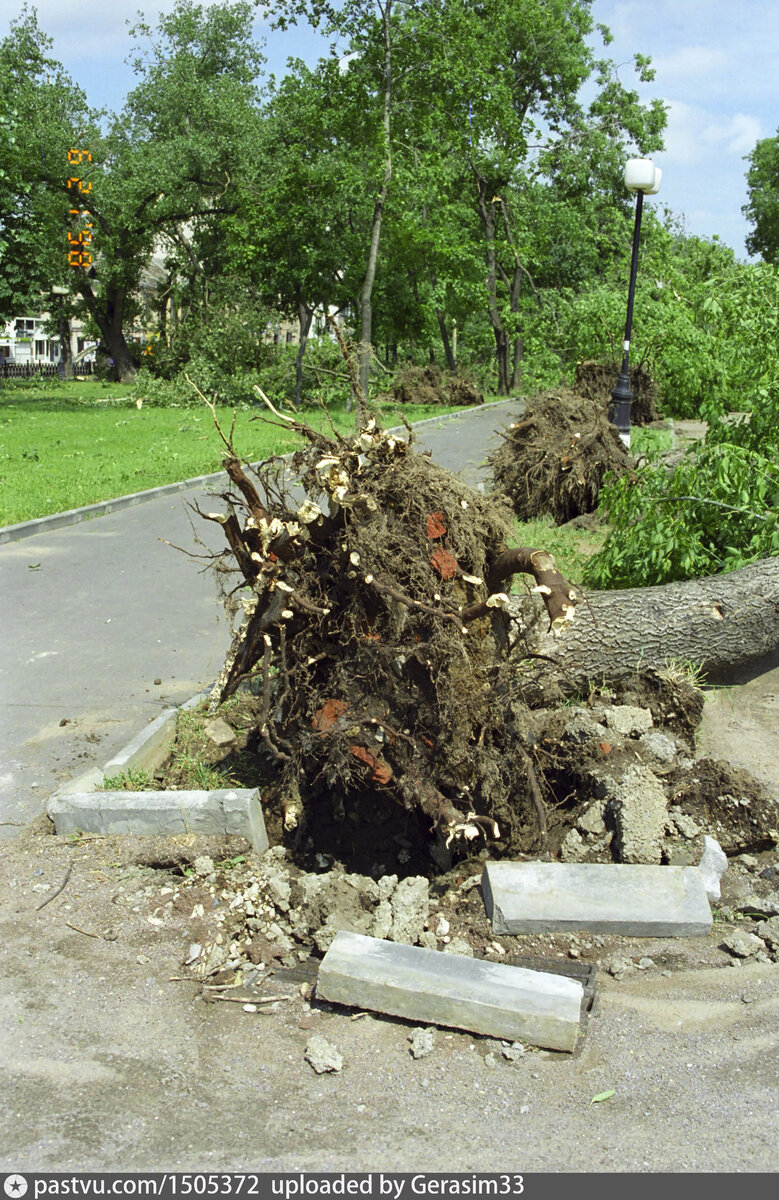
(451, 362)
(366, 305)
(718, 624)
(109, 318)
(68, 371)
(305, 316)
(502, 342)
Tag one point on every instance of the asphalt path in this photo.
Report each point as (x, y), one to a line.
(104, 624)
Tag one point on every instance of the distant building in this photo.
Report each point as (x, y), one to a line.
(26, 344)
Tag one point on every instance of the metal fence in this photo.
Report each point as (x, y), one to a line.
(9, 370)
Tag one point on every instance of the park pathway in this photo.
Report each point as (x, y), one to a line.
(104, 625)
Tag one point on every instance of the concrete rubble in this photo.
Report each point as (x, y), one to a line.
(385, 943)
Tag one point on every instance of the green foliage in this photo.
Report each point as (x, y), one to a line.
(718, 511)
(678, 331)
(133, 780)
(763, 207)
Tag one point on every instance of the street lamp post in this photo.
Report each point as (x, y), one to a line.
(643, 178)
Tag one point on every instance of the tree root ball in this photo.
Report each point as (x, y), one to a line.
(377, 639)
(596, 381)
(388, 681)
(431, 385)
(554, 459)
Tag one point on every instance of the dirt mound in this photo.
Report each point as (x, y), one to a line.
(554, 460)
(596, 381)
(431, 385)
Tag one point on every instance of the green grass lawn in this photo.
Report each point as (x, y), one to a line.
(64, 445)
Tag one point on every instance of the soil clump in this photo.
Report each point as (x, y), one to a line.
(554, 460)
(431, 385)
(596, 381)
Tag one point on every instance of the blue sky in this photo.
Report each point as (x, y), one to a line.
(715, 62)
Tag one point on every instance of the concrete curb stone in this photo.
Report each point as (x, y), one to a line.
(230, 811)
(80, 805)
(629, 899)
(422, 985)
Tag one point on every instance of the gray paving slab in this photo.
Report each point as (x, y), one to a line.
(617, 898)
(94, 612)
(451, 990)
(235, 811)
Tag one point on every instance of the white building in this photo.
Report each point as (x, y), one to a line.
(24, 342)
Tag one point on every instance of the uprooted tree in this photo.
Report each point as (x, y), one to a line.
(395, 681)
(376, 632)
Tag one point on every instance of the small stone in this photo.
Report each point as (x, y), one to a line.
(422, 1043)
(741, 944)
(490, 1060)
(219, 732)
(458, 945)
(658, 746)
(321, 1055)
(769, 931)
(625, 719)
(442, 927)
(687, 826)
(619, 967)
(640, 811)
(574, 952)
(524, 1109)
(645, 964)
(713, 866)
(410, 909)
(203, 865)
(514, 1052)
(749, 861)
(573, 848)
(591, 820)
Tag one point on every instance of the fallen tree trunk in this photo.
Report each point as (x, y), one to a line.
(718, 623)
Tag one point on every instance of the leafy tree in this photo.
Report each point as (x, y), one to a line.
(677, 333)
(173, 159)
(44, 115)
(298, 230)
(372, 28)
(763, 207)
(506, 82)
(720, 509)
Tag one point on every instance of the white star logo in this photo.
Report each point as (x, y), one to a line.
(15, 1186)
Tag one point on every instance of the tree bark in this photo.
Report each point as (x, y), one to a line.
(451, 362)
(718, 623)
(366, 294)
(109, 317)
(305, 317)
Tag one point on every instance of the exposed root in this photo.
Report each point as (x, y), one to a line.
(554, 460)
